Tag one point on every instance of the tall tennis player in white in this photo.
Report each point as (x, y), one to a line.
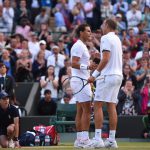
(80, 61)
(110, 70)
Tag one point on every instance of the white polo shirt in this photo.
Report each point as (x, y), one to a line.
(112, 43)
(80, 50)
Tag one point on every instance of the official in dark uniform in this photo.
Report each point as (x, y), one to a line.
(9, 123)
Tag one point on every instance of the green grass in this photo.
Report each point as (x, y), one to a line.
(122, 146)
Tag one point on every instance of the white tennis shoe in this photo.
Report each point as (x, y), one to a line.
(97, 143)
(110, 144)
(86, 144)
(77, 144)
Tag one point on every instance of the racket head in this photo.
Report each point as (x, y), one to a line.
(74, 83)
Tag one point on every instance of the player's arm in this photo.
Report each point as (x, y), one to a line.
(16, 123)
(104, 61)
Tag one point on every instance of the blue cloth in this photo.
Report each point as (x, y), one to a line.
(59, 19)
(8, 65)
(46, 3)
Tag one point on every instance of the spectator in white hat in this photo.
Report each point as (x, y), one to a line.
(121, 25)
(47, 53)
(56, 59)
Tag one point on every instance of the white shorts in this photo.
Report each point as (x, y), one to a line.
(84, 95)
(107, 88)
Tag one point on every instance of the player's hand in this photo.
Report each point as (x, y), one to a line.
(91, 79)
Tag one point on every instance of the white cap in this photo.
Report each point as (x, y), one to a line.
(55, 47)
(134, 3)
(119, 15)
(42, 42)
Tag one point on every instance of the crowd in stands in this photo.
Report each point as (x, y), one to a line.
(36, 37)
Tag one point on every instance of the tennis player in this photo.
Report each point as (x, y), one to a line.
(80, 61)
(107, 87)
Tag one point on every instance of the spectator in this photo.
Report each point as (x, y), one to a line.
(134, 16)
(24, 67)
(12, 48)
(62, 6)
(56, 59)
(125, 40)
(120, 7)
(106, 9)
(49, 81)
(60, 25)
(23, 12)
(39, 66)
(42, 18)
(24, 28)
(146, 17)
(44, 31)
(121, 25)
(2, 42)
(35, 6)
(33, 45)
(9, 62)
(47, 106)
(3, 22)
(128, 60)
(128, 100)
(128, 75)
(78, 14)
(63, 72)
(88, 8)
(68, 97)
(6, 81)
(145, 95)
(66, 84)
(8, 14)
(9, 123)
(23, 46)
(142, 72)
(46, 52)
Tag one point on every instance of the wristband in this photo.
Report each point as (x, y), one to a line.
(15, 138)
(83, 67)
(96, 73)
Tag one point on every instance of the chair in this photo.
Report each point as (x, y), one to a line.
(65, 116)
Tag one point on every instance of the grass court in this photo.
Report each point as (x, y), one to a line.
(69, 146)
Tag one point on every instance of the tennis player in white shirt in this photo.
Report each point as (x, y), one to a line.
(80, 62)
(108, 85)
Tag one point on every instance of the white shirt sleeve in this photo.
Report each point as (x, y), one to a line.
(77, 51)
(105, 44)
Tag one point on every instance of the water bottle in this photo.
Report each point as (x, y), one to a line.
(37, 140)
(47, 140)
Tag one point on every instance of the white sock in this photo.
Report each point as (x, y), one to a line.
(98, 134)
(112, 134)
(85, 135)
(79, 135)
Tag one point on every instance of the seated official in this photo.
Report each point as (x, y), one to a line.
(47, 106)
(9, 123)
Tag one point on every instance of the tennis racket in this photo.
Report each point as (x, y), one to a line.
(79, 84)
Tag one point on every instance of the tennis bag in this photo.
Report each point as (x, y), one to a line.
(27, 139)
(48, 130)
